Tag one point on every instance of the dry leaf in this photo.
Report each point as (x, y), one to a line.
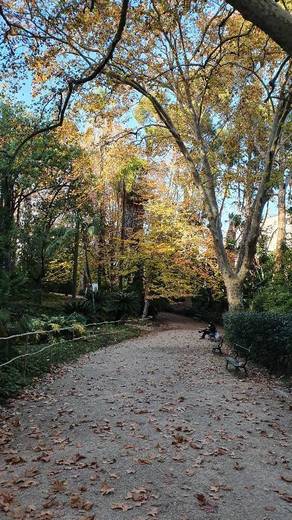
(87, 506)
(59, 486)
(122, 507)
(144, 461)
(76, 501)
(153, 512)
(46, 515)
(106, 489)
(286, 478)
(201, 499)
(5, 501)
(15, 459)
(285, 496)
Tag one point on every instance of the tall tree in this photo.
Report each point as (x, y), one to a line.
(190, 80)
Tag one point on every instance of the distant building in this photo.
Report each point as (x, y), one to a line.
(270, 228)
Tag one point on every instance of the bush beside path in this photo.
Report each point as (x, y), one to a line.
(154, 427)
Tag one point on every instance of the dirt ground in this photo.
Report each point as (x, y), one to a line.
(154, 427)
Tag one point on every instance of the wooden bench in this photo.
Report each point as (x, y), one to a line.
(242, 355)
(218, 344)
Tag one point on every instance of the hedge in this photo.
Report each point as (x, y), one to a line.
(269, 335)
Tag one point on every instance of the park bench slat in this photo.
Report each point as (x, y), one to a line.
(218, 344)
(238, 363)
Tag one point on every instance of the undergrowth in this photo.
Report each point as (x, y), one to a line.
(25, 371)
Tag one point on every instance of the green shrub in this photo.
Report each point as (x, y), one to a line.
(116, 305)
(276, 297)
(22, 372)
(270, 336)
(4, 319)
(79, 329)
(83, 307)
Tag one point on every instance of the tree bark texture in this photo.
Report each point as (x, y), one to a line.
(281, 231)
(275, 21)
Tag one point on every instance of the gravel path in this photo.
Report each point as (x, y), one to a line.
(154, 427)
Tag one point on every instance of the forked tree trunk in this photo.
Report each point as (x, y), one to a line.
(234, 293)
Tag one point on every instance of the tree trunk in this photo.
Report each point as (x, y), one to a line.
(123, 231)
(234, 293)
(281, 231)
(86, 271)
(145, 309)
(75, 258)
(6, 224)
(270, 17)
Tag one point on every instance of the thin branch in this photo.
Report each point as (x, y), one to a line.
(73, 84)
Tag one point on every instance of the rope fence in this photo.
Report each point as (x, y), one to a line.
(63, 341)
(40, 332)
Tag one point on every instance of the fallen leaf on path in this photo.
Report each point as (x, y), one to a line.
(59, 486)
(285, 496)
(201, 499)
(122, 507)
(15, 459)
(144, 461)
(31, 472)
(94, 477)
(76, 501)
(106, 489)
(204, 504)
(87, 506)
(46, 515)
(44, 457)
(195, 446)
(286, 478)
(50, 502)
(238, 466)
(138, 495)
(5, 501)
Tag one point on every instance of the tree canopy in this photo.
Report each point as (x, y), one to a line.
(144, 141)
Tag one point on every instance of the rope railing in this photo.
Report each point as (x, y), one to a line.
(79, 338)
(52, 331)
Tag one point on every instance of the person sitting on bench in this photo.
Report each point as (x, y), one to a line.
(211, 331)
